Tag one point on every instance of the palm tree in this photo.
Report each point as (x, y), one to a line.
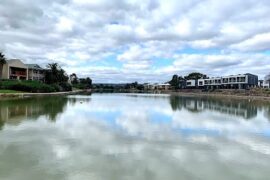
(2, 62)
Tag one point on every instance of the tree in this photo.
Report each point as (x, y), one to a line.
(175, 81)
(55, 74)
(86, 82)
(74, 78)
(2, 62)
(196, 76)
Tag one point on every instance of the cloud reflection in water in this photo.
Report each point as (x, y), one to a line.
(116, 136)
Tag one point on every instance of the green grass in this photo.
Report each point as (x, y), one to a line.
(6, 91)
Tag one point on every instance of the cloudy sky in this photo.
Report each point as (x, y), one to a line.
(139, 40)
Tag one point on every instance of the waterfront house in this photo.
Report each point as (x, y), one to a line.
(35, 72)
(240, 81)
(165, 86)
(192, 83)
(266, 84)
(213, 83)
(148, 86)
(15, 69)
(157, 86)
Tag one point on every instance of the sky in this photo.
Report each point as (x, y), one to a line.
(119, 41)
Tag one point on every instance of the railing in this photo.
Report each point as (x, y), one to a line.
(18, 73)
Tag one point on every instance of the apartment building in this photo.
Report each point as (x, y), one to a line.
(15, 69)
(240, 81)
(35, 72)
(192, 83)
(157, 86)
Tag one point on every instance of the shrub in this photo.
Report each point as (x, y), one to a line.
(56, 87)
(26, 86)
(80, 86)
(65, 86)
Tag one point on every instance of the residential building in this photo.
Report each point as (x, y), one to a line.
(213, 83)
(192, 83)
(157, 86)
(15, 69)
(201, 83)
(240, 81)
(165, 86)
(260, 83)
(266, 84)
(35, 72)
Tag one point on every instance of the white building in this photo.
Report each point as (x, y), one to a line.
(191, 83)
(266, 84)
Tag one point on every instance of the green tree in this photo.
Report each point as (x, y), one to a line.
(86, 83)
(74, 78)
(2, 62)
(196, 75)
(175, 81)
(55, 74)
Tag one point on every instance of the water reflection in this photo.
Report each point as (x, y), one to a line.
(127, 136)
(245, 108)
(14, 111)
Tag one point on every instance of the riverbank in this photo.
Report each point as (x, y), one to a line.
(256, 93)
(217, 95)
(253, 94)
(25, 94)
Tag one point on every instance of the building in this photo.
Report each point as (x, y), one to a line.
(157, 86)
(165, 86)
(35, 72)
(260, 83)
(266, 84)
(213, 83)
(15, 69)
(192, 83)
(148, 86)
(240, 81)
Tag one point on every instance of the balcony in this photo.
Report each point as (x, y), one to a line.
(18, 73)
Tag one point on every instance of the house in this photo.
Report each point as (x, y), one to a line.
(201, 83)
(165, 86)
(192, 83)
(240, 81)
(15, 69)
(157, 86)
(260, 83)
(148, 86)
(35, 72)
(266, 84)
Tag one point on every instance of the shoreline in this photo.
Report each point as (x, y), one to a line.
(22, 95)
(219, 95)
(232, 94)
(172, 93)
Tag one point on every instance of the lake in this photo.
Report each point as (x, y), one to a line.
(134, 137)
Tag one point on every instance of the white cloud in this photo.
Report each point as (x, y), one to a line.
(138, 33)
(259, 42)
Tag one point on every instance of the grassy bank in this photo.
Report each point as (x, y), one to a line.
(9, 91)
(7, 86)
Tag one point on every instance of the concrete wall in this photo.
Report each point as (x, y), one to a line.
(5, 72)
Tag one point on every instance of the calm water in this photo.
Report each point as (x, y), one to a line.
(134, 137)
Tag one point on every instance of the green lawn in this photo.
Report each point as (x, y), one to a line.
(9, 91)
